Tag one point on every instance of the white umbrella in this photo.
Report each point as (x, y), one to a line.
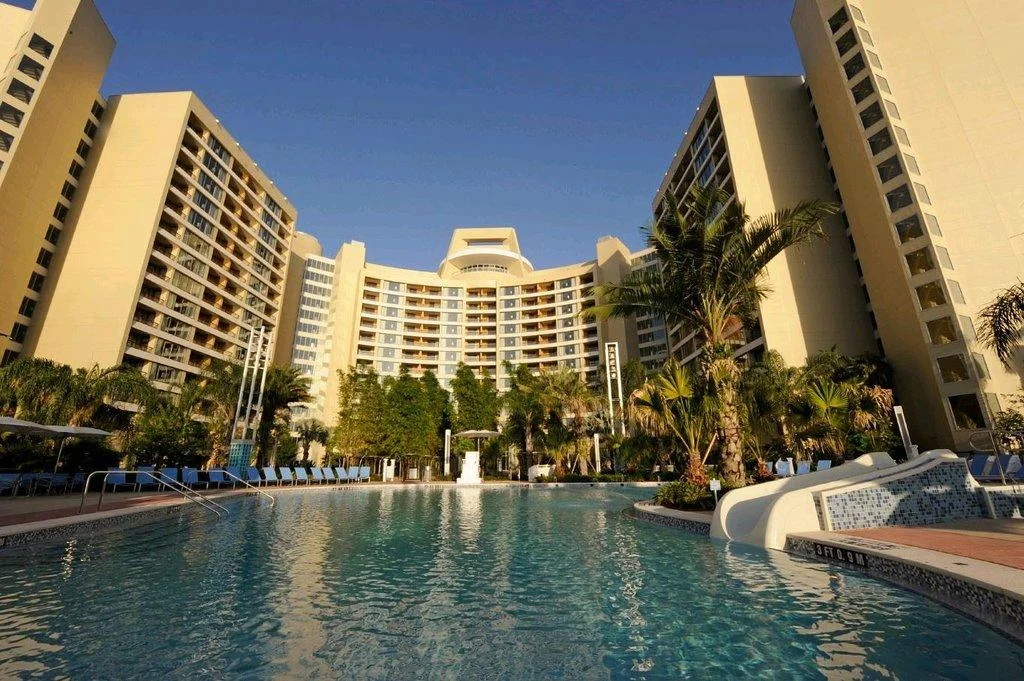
(478, 435)
(64, 432)
(9, 425)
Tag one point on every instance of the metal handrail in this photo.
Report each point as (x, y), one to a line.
(996, 449)
(196, 499)
(183, 489)
(247, 484)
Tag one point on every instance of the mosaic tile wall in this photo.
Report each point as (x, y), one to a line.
(939, 494)
(1007, 503)
(989, 606)
(691, 526)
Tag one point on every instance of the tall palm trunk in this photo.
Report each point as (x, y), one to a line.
(731, 434)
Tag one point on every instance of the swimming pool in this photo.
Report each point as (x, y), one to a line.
(461, 584)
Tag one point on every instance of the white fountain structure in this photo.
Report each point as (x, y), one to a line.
(469, 472)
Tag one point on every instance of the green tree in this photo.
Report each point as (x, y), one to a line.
(525, 409)
(284, 386)
(713, 257)
(307, 432)
(168, 431)
(407, 417)
(1002, 323)
(475, 400)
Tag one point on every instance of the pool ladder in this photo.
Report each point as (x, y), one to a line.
(167, 482)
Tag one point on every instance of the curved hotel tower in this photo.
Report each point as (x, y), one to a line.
(484, 305)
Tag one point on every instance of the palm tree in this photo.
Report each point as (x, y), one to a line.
(564, 393)
(713, 259)
(525, 409)
(1002, 323)
(308, 432)
(285, 386)
(769, 389)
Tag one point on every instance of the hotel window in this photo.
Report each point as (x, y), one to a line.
(883, 85)
(52, 235)
(952, 368)
(565, 283)
(10, 114)
(28, 307)
(511, 315)
(944, 260)
(955, 292)
(452, 304)
(966, 411)
(90, 129)
(873, 58)
(967, 326)
(509, 354)
(569, 335)
(18, 332)
(217, 169)
(566, 295)
(20, 91)
(219, 149)
(854, 65)
(909, 228)
(453, 292)
(980, 365)
(862, 90)
(75, 170)
(889, 169)
(97, 110)
(390, 325)
(451, 316)
(451, 342)
(35, 282)
(838, 20)
(68, 191)
(510, 342)
(208, 183)
(899, 198)
(452, 330)
(391, 312)
(846, 42)
(510, 303)
(870, 115)
(392, 299)
(568, 323)
(941, 331)
(922, 194)
(857, 14)
(40, 46)
(567, 309)
(912, 164)
(206, 204)
(60, 212)
(891, 108)
(197, 220)
(569, 350)
(6, 141)
(901, 135)
(920, 261)
(930, 295)
(510, 328)
(31, 68)
(83, 150)
(865, 36)
(390, 339)
(394, 286)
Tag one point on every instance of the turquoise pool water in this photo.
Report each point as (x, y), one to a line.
(461, 584)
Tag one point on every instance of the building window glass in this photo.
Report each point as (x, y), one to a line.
(920, 261)
(889, 169)
(967, 326)
(197, 220)
(980, 365)
(97, 111)
(883, 85)
(873, 58)
(891, 108)
(862, 90)
(83, 149)
(208, 183)
(955, 292)
(870, 115)
(865, 36)
(40, 46)
(90, 129)
(944, 260)
(922, 193)
(846, 42)
(11, 115)
(966, 411)
(952, 368)
(930, 295)
(854, 65)
(210, 161)
(453, 292)
(18, 332)
(941, 331)
(20, 91)
(912, 164)
(28, 307)
(35, 282)
(31, 68)
(6, 141)
(75, 170)
(44, 258)
(909, 228)
(899, 198)
(68, 191)
(838, 20)
(510, 328)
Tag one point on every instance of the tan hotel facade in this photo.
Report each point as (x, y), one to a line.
(132, 231)
(484, 305)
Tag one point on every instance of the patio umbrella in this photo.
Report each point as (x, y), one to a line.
(478, 435)
(64, 432)
(19, 427)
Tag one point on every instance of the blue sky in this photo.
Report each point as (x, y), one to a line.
(393, 122)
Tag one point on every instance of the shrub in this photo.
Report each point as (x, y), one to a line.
(685, 495)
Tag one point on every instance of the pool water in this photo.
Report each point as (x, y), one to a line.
(461, 584)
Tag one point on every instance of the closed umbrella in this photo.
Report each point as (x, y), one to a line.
(64, 432)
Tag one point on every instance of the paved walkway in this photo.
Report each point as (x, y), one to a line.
(999, 541)
(31, 509)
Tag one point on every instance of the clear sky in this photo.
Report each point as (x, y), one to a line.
(393, 122)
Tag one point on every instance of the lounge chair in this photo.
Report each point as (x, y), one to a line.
(190, 478)
(50, 482)
(318, 475)
(116, 478)
(144, 479)
(329, 475)
(783, 468)
(300, 475)
(286, 475)
(77, 482)
(364, 473)
(979, 464)
(803, 467)
(9, 483)
(823, 464)
(996, 465)
(218, 478)
(1013, 465)
(269, 476)
(342, 475)
(235, 471)
(353, 473)
(171, 473)
(252, 476)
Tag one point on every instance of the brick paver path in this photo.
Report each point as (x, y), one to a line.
(993, 541)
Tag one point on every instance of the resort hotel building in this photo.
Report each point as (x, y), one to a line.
(483, 306)
(909, 118)
(132, 231)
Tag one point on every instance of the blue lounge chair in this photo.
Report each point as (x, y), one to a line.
(190, 478)
(253, 477)
(50, 483)
(824, 464)
(979, 465)
(803, 467)
(318, 475)
(783, 469)
(353, 473)
(218, 478)
(9, 483)
(143, 479)
(269, 476)
(116, 479)
(364, 473)
(236, 472)
(996, 465)
(342, 475)
(329, 475)
(300, 475)
(286, 475)
(171, 473)
(77, 482)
